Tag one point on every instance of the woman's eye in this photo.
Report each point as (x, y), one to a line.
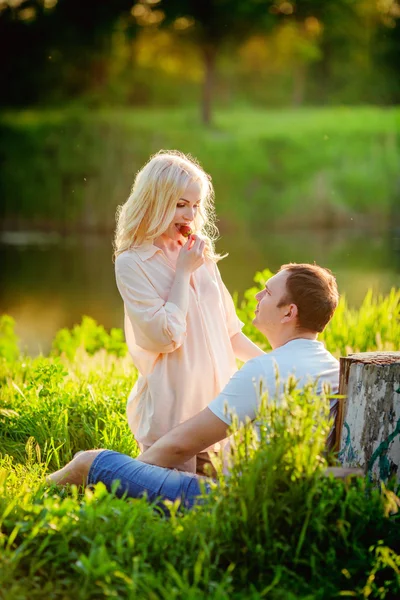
(180, 205)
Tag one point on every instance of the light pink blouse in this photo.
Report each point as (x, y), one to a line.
(184, 361)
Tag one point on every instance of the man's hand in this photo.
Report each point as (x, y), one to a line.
(186, 440)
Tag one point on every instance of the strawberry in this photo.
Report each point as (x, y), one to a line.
(185, 230)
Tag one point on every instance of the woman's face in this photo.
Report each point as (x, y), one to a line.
(185, 212)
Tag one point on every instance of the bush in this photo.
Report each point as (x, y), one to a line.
(9, 350)
(90, 337)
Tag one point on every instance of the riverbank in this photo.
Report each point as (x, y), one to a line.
(67, 170)
(49, 280)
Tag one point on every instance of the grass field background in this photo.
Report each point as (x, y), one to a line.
(274, 529)
(323, 167)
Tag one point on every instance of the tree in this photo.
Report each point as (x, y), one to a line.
(211, 24)
(55, 47)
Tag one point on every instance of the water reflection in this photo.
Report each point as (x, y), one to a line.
(48, 281)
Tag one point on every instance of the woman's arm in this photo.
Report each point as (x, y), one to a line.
(158, 325)
(190, 258)
(244, 348)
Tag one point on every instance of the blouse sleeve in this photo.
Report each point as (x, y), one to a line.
(234, 324)
(158, 326)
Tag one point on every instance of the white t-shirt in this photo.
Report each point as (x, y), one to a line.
(305, 359)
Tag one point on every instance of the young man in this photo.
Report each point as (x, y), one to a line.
(295, 305)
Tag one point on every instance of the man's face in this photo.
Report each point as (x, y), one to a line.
(268, 316)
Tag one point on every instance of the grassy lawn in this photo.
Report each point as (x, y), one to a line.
(310, 167)
(274, 529)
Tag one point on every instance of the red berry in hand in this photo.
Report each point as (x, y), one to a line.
(185, 230)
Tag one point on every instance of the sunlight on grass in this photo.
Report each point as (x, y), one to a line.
(274, 526)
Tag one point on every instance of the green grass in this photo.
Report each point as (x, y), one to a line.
(274, 529)
(311, 167)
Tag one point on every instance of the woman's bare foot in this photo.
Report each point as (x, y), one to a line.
(76, 471)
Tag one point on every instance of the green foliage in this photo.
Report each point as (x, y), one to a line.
(54, 57)
(59, 407)
(90, 337)
(375, 326)
(9, 350)
(275, 528)
(70, 169)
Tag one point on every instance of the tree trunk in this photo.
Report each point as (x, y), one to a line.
(299, 85)
(368, 422)
(209, 57)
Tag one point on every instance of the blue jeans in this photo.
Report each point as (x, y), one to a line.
(137, 479)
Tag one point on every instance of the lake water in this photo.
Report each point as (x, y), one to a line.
(49, 281)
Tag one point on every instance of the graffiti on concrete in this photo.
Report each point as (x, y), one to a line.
(347, 454)
(381, 455)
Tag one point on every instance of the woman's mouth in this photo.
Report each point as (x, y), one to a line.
(184, 230)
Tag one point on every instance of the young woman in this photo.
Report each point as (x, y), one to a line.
(180, 322)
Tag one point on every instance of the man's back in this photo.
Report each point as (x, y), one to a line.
(305, 359)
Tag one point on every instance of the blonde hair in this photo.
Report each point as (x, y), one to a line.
(151, 205)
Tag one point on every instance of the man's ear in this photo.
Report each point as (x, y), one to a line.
(291, 312)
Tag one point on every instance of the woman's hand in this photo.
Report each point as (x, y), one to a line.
(191, 256)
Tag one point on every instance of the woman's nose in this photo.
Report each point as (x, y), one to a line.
(189, 214)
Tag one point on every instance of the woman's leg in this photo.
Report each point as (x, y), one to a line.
(137, 479)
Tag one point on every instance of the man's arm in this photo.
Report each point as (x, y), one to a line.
(211, 424)
(186, 440)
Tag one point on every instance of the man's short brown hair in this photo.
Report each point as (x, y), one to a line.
(314, 291)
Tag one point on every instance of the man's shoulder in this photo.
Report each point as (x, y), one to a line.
(260, 365)
(302, 355)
